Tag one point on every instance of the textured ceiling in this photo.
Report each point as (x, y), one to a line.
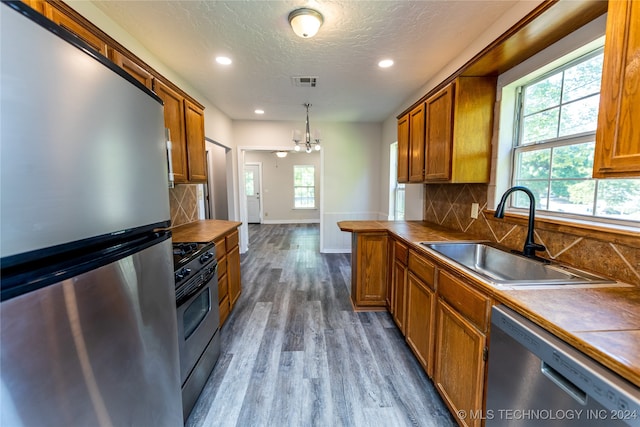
(420, 36)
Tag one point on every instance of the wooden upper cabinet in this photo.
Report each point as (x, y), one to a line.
(416, 144)
(194, 120)
(438, 135)
(183, 116)
(459, 125)
(617, 150)
(133, 68)
(447, 138)
(403, 148)
(37, 5)
(174, 121)
(65, 21)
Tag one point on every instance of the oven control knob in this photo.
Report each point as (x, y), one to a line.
(183, 273)
(205, 257)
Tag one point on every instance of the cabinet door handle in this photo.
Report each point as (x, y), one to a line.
(167, 132)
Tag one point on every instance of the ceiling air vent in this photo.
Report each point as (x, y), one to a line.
(304, 81)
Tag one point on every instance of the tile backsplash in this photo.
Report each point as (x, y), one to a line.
(449, 205)
(183, 201)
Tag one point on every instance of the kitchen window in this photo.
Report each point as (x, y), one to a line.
(304, 187)
(396, 189)
(556, 119)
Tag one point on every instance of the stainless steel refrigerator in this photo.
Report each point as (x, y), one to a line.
(87, 312)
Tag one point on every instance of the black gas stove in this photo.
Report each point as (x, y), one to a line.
(196, 278)
(190, 258)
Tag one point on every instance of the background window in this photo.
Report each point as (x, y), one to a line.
(557, 116)
(249, 184)
(304, 187)
(396, 189)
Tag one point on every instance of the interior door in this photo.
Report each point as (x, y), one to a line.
(252, 191)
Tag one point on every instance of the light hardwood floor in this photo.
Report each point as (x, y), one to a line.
(295, 354)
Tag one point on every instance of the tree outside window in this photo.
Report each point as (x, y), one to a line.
(553, 156)
(304, 187)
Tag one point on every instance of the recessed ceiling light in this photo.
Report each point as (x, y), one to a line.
(223, 60)
(259, 111)
(385, 63)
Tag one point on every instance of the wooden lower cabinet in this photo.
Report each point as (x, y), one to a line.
(369, 273)
(462, 322)
(420, 321)
(223, 298)
(459, 364)
(400, 274)
(229, 280)
(233, 263)
(398, 283)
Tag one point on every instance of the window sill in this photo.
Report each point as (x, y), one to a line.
(623, 234)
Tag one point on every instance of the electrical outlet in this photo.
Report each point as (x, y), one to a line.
(474, 210)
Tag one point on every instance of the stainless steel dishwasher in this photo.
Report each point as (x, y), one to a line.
(536, 379)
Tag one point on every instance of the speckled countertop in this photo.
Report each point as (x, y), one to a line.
(603, 322)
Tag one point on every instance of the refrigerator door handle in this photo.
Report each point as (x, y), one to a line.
(169, 161)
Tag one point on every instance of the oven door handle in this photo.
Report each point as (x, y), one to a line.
(206, 277)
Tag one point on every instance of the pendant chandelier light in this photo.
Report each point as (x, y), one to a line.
(310, 143)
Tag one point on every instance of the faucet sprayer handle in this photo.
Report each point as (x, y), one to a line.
(530, 248)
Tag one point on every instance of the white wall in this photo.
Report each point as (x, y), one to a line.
(349, 171)
(277, 186)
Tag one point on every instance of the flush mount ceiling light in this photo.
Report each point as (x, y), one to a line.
(281, 154)
(309, 143)
(385, 63)
(305, 22)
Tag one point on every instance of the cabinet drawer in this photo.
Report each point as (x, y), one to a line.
(221, 249)
(232, 240)
(422, 269)
(466, 301)
(401, 251)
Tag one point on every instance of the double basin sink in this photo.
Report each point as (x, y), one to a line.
(503, 268)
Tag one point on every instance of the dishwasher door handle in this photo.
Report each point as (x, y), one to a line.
(564, 383)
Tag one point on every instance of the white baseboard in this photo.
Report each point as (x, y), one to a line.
(291, 221)
(334, 251)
